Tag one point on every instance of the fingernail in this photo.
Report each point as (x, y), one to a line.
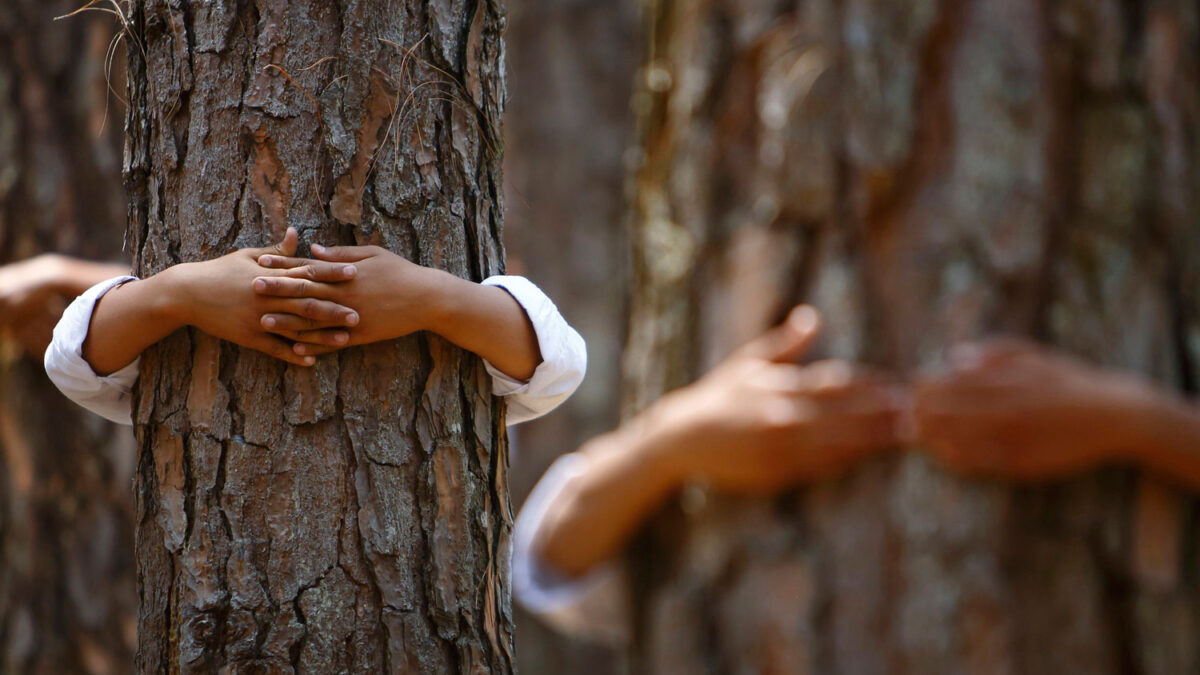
(308, 360)
(352, 319)
(318, 248)
(269, 321)
(299, 348)
(349, 271)
(341, 338)
(260, 285)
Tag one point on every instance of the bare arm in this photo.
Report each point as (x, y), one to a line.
(755, 425)
(1017, 410)
(33, 291)
(627, 480)
(396, 297)
(215, 296)
(130, 318)
(72, 276)
(1161, 431)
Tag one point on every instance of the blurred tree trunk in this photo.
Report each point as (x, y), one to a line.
(924, 172)
(352, 517)
(568, 125)
(66, 529)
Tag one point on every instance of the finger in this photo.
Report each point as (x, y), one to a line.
(321, 341)
(308, 348)
(323, 312)
(281, 349)
(287, 287)
(287, 247)
(341, 253)
(323, 271)
(288, 325)
(281, 262)
(329, 337)
(789, 340)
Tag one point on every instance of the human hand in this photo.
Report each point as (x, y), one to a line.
(218, 298)
(392, 296)
(1012, 409)
(30, 304)
(758, 423)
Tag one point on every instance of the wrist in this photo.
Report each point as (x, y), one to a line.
(1151, 424)
(173, 302)
(660, 436)
(445, 303)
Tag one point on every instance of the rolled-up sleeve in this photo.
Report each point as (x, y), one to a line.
(594, 606)
(564, 355)
(109, 395)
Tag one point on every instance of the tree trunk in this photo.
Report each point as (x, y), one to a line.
(66, 511)
(570, 76)
(924, 173)
(352, 517)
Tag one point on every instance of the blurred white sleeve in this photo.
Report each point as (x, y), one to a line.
(108, 396)
(594, 606)
(564, 355)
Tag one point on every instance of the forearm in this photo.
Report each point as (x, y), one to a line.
(488, 321)
(1164, 436)
(130, 318)
(599, 511)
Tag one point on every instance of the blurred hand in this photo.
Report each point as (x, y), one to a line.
(29, 301)
(759, 422)
(1011, 409)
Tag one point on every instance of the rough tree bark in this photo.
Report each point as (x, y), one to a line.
(924, 172)
(67, 601)
(353, 517)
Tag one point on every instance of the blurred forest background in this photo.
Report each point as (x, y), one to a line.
(679, 174)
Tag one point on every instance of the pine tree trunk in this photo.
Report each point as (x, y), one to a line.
(353, 517)
(67, 600)
(924, 173)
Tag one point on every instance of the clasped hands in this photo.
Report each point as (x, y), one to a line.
(761, 421)
(296, 309)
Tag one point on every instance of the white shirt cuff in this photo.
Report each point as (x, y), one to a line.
(564, 355)
(108, 395)
(594, 606)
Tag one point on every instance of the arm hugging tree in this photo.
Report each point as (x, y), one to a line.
(353, 516)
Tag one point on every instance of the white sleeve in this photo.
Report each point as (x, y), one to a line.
(108, 396)
(594, 606)
(564, 355)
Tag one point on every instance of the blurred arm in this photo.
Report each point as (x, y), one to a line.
(597, 512)
(1160, 431)
(1015, 410)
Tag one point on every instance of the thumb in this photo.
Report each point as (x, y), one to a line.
(789, 340)
(285, 248)
(339, 253)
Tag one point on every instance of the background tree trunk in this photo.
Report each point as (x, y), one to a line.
(67, 601)
(568, 125)
(353, 517)
(924, 172)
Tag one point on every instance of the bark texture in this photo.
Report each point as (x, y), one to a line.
(353, 517)
(67, 600)
(924, 172)
(567, 128)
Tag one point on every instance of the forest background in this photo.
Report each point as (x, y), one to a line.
(577, 91)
